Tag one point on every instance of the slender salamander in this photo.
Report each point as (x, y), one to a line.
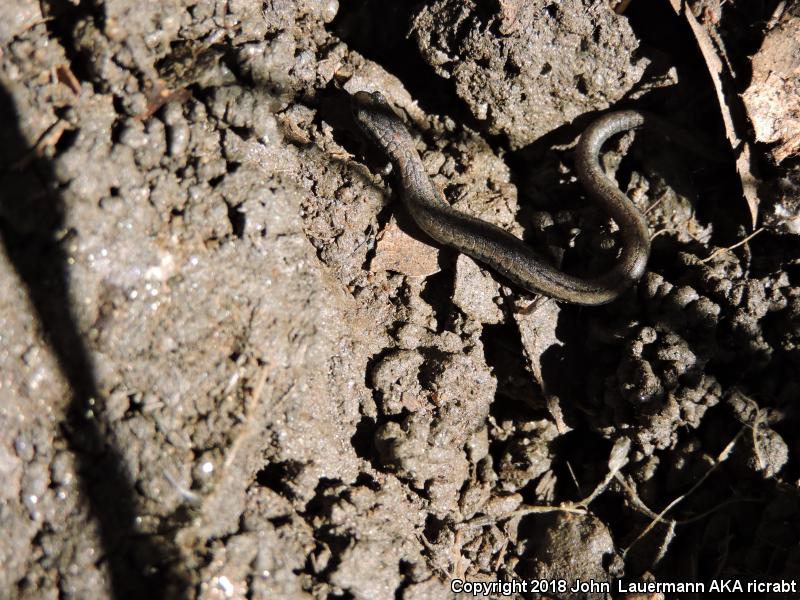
(487, 243)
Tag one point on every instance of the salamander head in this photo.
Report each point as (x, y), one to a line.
(376, 117)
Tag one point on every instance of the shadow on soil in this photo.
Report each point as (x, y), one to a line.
(31, 221)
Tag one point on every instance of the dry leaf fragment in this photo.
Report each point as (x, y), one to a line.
(399, 252)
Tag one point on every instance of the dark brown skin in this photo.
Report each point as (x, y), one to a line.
(497, 248)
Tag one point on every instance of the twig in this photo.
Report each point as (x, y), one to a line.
(49, 138)
(531, 510)
(574, 479)
(736, 245)
(633, 496)
(523, 510)
(762, 465)
(654, 204)
(617, 460)
(723, 456)
(669, 535)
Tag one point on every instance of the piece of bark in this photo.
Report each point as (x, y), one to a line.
(773, 98)
(722, 78)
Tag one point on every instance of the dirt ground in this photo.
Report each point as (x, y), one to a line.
(231, 367)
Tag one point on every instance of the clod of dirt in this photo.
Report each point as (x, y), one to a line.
(570, 547)
(475, 292)
(783, 211)
(15, 17)
(395, 378)
(428, 447)
(527, 456)
(370, 529)
(528, 67)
